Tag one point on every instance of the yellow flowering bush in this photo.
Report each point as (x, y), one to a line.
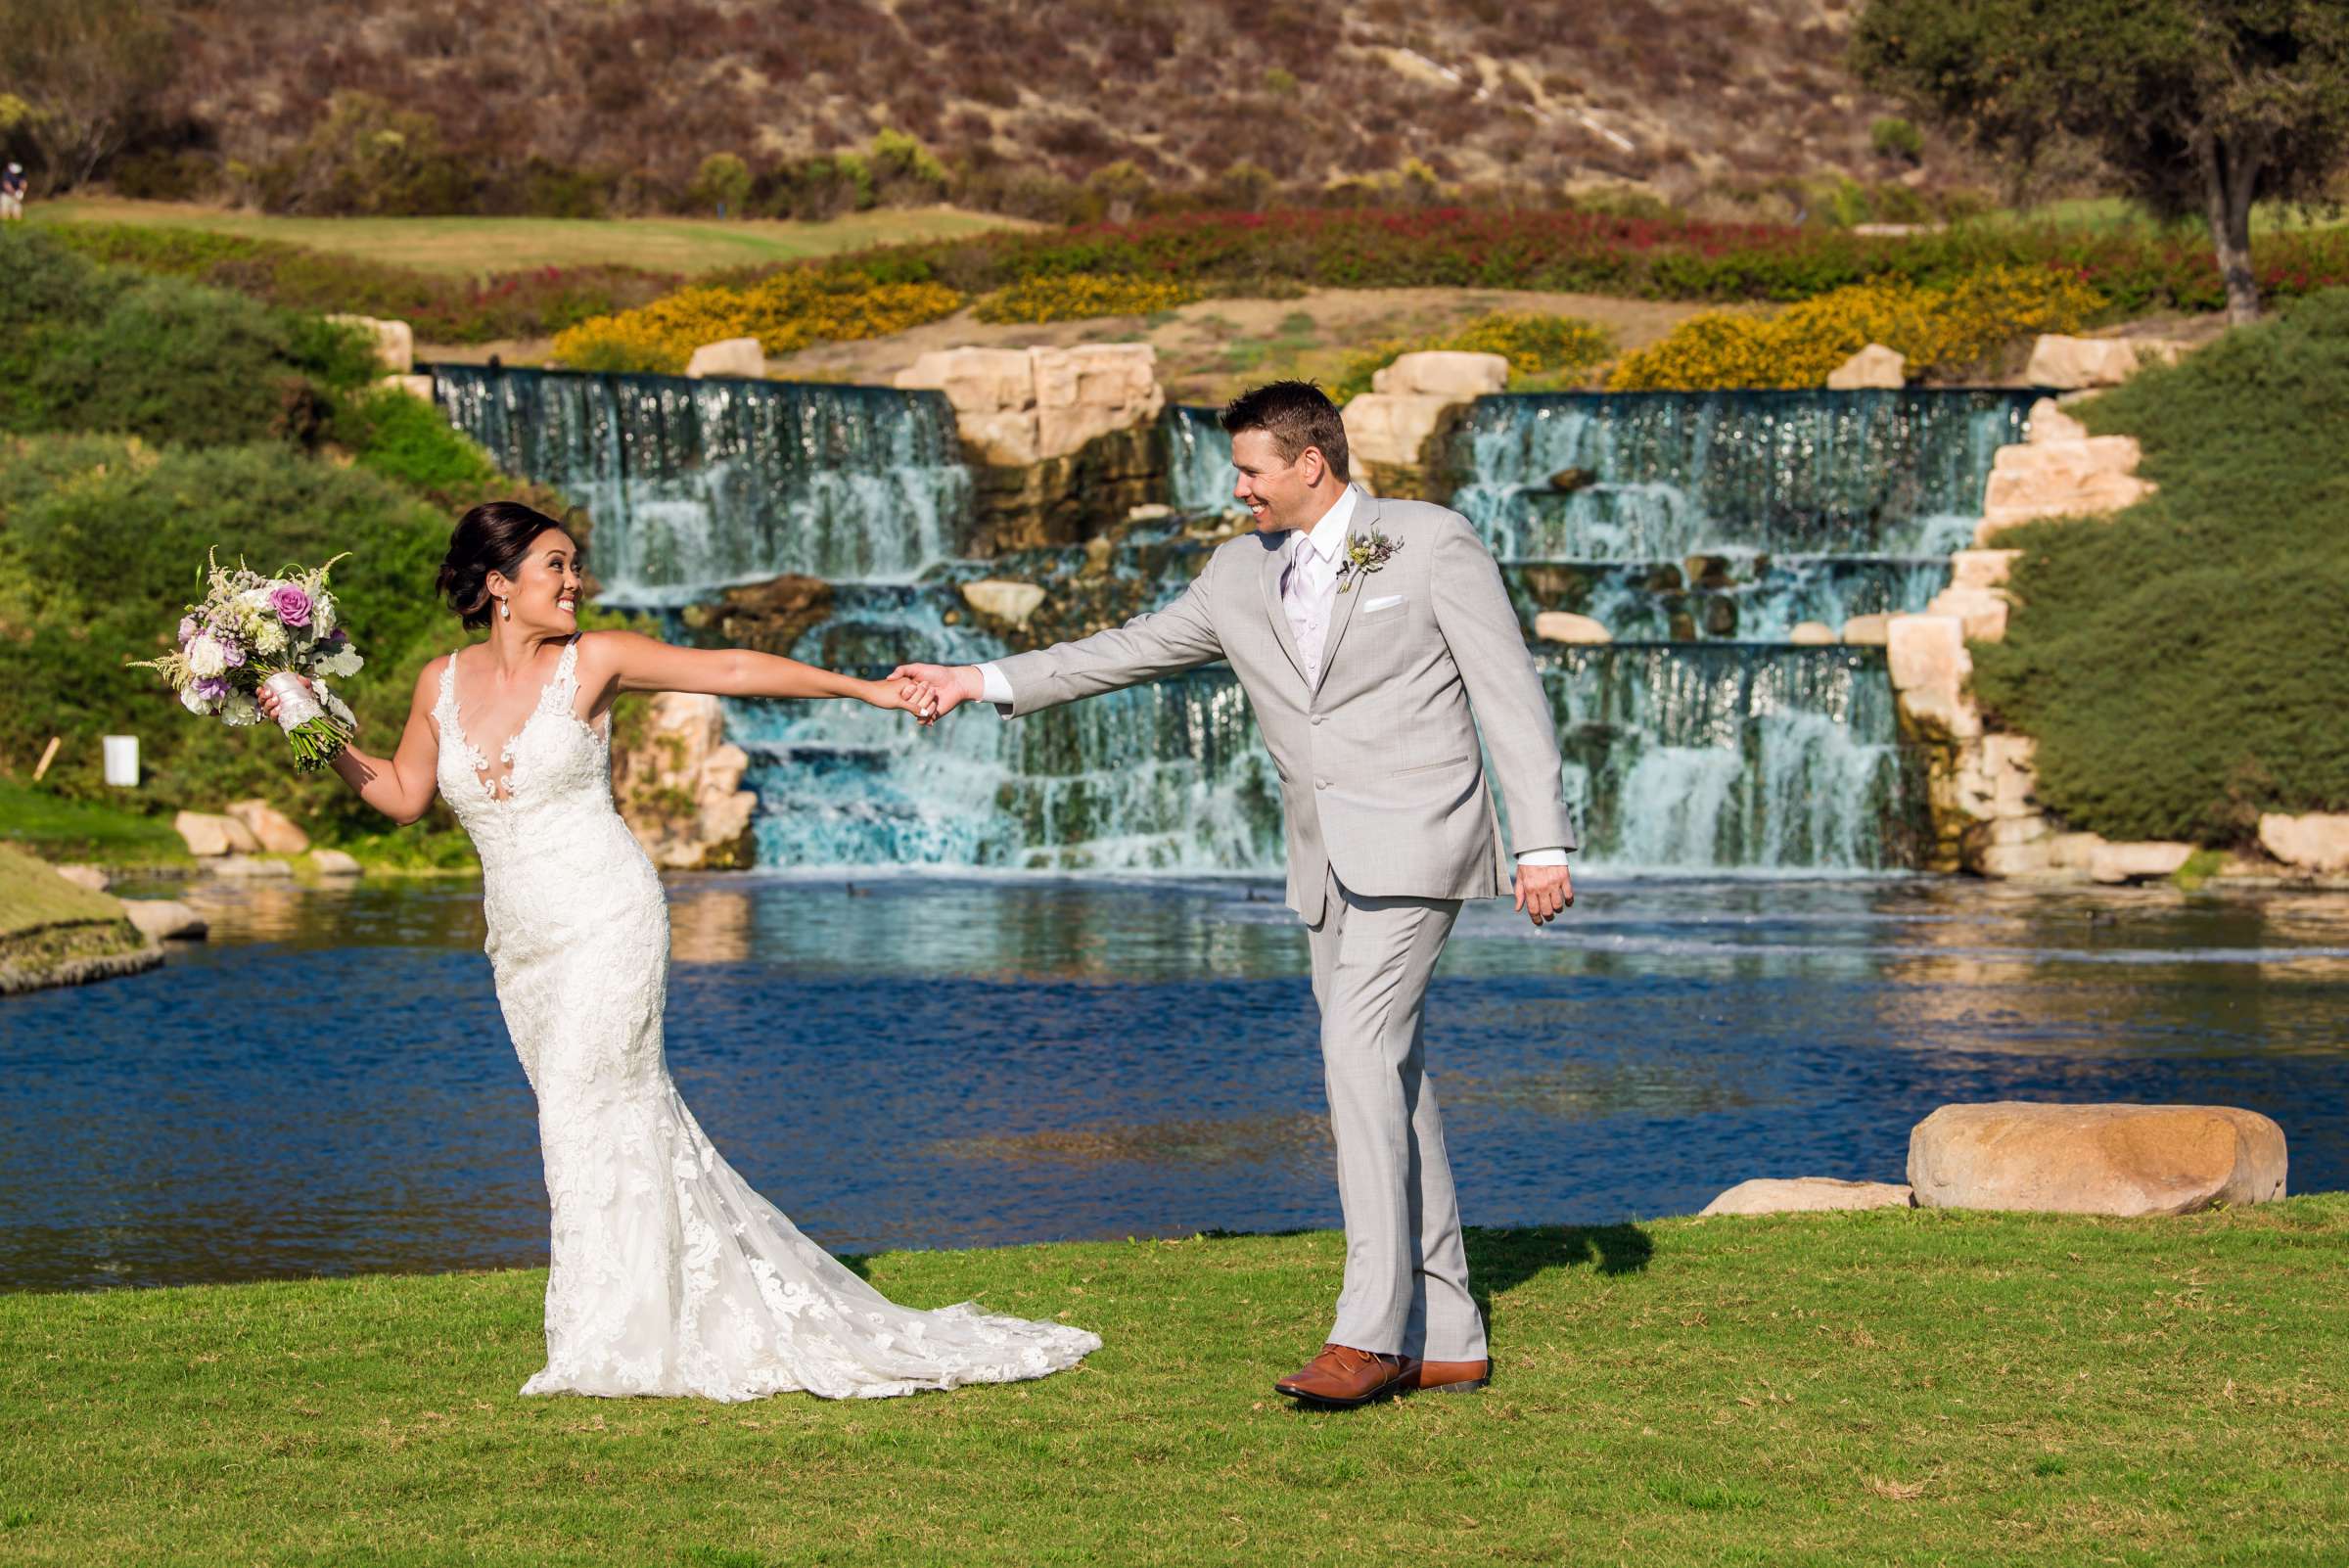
(1074, 296)
(1540, 349)
(786, 313)
(1940, 332)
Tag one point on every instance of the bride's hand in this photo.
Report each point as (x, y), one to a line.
(267, 699)
(916, 697)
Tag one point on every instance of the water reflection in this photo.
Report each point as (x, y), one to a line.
(928, 1060)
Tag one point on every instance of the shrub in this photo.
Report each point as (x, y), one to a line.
(1541, 349)
(1943, 332)
(85, 347)
(786, 311)
(532, 303)
(102, 538)
(1071, 299)
(2185, 665)
(1894, 137)
(723, 183)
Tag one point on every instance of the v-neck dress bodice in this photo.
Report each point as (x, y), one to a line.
(668, 1275)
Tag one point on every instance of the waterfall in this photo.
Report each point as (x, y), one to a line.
(694, 486)
(1677, 760)
(1198, 459)
(1706, 756)
(1669, 475)
(1737, 597)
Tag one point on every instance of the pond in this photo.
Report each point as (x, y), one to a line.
(326, 1088)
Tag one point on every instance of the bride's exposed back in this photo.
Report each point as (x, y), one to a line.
(670, 1276)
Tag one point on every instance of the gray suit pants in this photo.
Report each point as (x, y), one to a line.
(1407, 1273)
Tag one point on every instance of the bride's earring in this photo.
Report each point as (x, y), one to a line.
(505, 611)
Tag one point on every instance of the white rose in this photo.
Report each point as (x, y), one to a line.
(238, 708)
(270, 638)
(205, 657)
(194, 703)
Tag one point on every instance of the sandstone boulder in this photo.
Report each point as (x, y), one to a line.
(2020, 860)
(1807, 1195)
(208, 836)
(275, 831)
(2068, 363)
(1567, 480)
(2316, 842)
(1875, 366)
(2047, 422)
(92, 877)
(1812, 635)
(164, 919)
(1149, 512)
(728, 356)
(417, 387)
(1558, 625)
(1390, 428)
(334, 863)
(678, 784)
(1455, 376)
(2148, 860)
(395, 341)
(975, 379)
(2074, 851)
(2095, 1158)
(1094, 389)
(1867, 632)
(242, 867)
(1930, 668)
(1003, 600)
(1982, 612)
(2089, 476)
(1981, 569)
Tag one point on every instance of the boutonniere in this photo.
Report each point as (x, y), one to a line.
(1366, 553)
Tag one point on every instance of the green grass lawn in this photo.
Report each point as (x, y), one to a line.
(2118, 212)
(1897, 1387)
(60, 829)
(468, 245)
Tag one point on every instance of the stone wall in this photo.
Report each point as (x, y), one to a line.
(678, 783)
(1064, 441)
(1983, 786)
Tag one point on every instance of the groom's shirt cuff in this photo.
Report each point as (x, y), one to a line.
(1549, 857)
(993, 688)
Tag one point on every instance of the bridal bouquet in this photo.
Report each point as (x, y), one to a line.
(252, 632)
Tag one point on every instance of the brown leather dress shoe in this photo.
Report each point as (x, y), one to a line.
(1446, 1377)
(1342, 1375)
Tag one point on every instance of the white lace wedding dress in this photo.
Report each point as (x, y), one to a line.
(671, 1276)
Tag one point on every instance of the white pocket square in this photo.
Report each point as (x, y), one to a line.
(1372, 607)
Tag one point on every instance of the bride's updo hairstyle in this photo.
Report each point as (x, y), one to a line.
(491, 537)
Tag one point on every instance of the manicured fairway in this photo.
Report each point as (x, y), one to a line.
(1894, 1387)
(504, 244)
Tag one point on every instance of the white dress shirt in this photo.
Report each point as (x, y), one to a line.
(1308, 593)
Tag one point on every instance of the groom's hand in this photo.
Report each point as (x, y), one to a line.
(953, 685)
(1542, 891)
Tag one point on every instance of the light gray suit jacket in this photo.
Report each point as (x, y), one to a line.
(1380, 774)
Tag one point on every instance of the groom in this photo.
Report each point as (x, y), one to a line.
(1367, 633)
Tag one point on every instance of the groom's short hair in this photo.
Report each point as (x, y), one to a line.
(1296, 415)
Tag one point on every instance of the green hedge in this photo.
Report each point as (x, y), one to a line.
(102, 540)
(85, 346)
(2185, 664)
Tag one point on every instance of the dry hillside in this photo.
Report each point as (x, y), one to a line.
(1679, 95)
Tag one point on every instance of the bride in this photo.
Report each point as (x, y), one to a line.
(669, 1275)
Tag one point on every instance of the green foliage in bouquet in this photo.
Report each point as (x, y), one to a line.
(2185, 665)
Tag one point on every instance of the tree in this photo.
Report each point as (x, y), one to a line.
(2200, 107)
(723, 183)
(83, 68)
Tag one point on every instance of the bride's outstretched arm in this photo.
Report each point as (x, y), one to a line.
(630, 661)
(401, 785)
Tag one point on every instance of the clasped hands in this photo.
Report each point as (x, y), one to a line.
(930, 692)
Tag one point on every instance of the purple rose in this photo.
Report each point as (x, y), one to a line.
(211, 690)
(293, 606)
(187, 630)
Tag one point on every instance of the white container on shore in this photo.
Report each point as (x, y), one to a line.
(121, 761)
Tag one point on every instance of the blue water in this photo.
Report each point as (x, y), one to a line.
(934, 1061)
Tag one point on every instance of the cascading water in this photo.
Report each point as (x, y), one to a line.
(1701, 530)
(1198, 459)
(697, 485)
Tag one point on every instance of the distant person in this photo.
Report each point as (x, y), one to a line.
(12, 192)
